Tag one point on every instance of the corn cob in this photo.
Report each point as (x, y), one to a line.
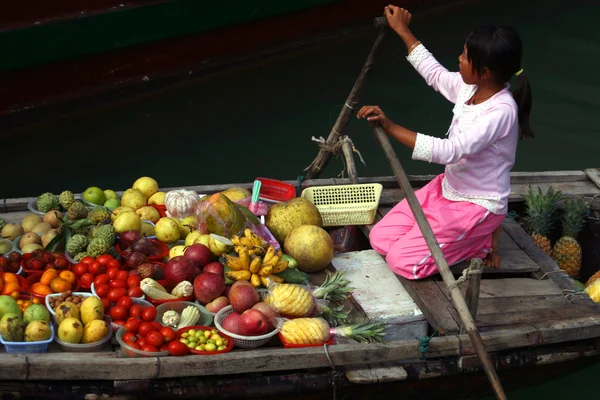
(189, 317)
(318, 331)
(155, 290)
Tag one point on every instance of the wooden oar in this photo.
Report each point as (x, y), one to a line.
(438, 256)
(320, 162)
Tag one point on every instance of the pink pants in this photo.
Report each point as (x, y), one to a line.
(462, 229)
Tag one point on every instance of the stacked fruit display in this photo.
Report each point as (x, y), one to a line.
(53, 281)
(81, 323)
(30, 325)
(10, 284)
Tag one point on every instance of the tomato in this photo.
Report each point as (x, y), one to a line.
(145, 328)
(133, 280)
(106, 303)
(119, 322)
(115, 294)
(164, 347)
(129, 336)
(112, 273)
(176, 348)
(118, 312)
(135, 345)
(101, 280)
(126, 302)
(123, 275)
(135, 292)
(167, 333)
(114, 264)
(132, 325)
(149, 348)
(86, 280)
(136, 311)
(102, 290)
(87, 260)
(79, 269)
(157, 325)
(149, 314)
(118, 283)
(96, 268)
(155, 339)
(104, 259)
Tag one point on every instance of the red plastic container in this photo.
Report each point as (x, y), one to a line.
(206, 353)
(158, 257)
(161, 208)
(296, 346)
(275, 191)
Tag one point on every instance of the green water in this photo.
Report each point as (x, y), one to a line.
(259, 122)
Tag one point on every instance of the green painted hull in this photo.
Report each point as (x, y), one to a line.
(38, 43)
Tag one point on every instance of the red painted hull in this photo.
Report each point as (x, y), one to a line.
(55, 82)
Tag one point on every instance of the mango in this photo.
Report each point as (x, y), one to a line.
(70, 330)
(12, 328)
(66, 310)
(91, 309)
(94, 331)
(37, 331)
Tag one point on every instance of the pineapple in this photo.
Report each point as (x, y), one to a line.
(296, 301)
(540, 215)
(567, 251)
(318, 331)
(592, 278)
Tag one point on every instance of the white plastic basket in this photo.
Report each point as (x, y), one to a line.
(244, 342)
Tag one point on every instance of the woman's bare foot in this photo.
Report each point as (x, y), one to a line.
(493, 258)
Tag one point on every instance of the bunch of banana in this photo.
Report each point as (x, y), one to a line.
(254, 243)
(254, 268)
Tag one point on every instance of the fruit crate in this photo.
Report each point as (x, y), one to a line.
(345, 204)
(28, 347)
(244, 342)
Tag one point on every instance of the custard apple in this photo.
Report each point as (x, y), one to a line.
(76, 244)
(97, 247)
(66, 198)
(76, 211)
(80, 256)
(47, 202)
(105, 232)
(98, 214)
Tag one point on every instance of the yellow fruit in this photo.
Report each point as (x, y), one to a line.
(148, 186)
(95, 195)
(70, 330)
(148, 213)
(133, 198)
(66, 310)
(177, 251)
(157, 198)
(94, 331)
(110, 194)
(127, 221)
(147, 229)
(37, 331)
(167, 230)
(191, 238)
(91, 309)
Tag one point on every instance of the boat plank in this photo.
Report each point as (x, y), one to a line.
(498, 305)
(376, 373)
(511, 261)
(593, 174)
(13, 366)
(558, 314)
(513, 287)
(432, 302)
(547, 265)
(505, 242)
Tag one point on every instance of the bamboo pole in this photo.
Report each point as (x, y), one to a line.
(472, 294)
(320, 162)
(438, 256)
(349, 156)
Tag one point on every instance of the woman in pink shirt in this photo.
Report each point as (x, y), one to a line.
(465, 205)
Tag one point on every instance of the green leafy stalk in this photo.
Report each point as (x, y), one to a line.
(365, 331)
(335, 288)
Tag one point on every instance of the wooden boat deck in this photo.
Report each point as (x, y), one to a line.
(526, 304)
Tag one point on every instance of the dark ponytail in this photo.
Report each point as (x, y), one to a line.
(500, 50)
(522, 95)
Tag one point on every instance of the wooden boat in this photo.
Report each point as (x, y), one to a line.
(530, 314)
(67, 50)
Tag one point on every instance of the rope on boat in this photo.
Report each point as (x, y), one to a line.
(337, 374)
(424, 343)
(558, 271)
(474, 269)
(512, 215)
(569, 293)
(334, 148)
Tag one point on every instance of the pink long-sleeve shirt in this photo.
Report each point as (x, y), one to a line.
(479, 152)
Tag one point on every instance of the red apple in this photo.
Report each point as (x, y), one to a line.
(243, 296)
(214, 268)
(269, 312)
(208, 287)
(231, 323)
(253, 323)
(218, 303)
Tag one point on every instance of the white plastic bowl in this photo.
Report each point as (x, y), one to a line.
(135, 353)
(245, 342)
(206, 317)
(54, 295)
(81, 347)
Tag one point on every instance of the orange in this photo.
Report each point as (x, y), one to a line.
(1, 284)
(68, 276)
(9, 288)
(9, 277)
(59, 285)
(48, 276)
(35, 300)
(15, 295)
(39, 288)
